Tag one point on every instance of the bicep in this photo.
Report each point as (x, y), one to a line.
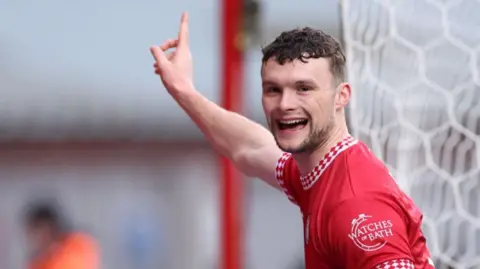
(260, 163)
(273, 166)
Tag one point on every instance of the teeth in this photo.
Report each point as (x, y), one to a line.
(291, 121)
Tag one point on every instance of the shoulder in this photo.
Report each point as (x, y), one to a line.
(79, 250)
(80, 241)
(286, 167)
(378, 202)
(363, 173)
(287, 175)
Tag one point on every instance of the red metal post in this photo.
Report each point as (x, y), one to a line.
(232, 185)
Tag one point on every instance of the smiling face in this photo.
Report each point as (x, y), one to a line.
(299, 102)
(303, 88)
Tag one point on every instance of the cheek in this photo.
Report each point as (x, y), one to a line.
(329, 103)
(267, 107)
(321, 110)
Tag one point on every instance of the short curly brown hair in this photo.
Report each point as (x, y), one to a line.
(306, 43)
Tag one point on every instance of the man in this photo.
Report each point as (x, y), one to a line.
(354, 214)
(55, 247)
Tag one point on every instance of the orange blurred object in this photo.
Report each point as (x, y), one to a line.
(75, 251)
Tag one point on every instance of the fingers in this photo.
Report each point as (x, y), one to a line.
(169, 44)
(159, 55)
(183, 33)
(158, 52)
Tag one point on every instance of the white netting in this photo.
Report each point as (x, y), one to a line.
(414, 66)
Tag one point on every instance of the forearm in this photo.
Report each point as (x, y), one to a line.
(229, 133)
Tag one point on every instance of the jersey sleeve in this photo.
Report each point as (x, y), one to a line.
(368, 233)
(285, 173)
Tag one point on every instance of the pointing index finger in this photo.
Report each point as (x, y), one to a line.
(183, 34)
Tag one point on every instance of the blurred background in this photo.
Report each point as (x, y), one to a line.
(85, 123)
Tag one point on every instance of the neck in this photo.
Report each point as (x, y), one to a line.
(306, 162)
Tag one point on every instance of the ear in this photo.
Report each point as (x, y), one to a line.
(343, 95)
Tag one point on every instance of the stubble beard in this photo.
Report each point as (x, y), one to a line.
(316, 138)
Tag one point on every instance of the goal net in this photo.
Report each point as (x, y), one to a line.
(414, 67)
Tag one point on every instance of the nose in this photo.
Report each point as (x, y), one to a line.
(288, 101)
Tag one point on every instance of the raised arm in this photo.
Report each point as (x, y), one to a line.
(249, 145)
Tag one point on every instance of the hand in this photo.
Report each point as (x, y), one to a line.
(175, 68)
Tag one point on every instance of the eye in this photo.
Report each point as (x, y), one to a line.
(273, 90)
(304, 88)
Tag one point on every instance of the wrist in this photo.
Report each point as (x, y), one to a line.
(181, 88)
(185, 92)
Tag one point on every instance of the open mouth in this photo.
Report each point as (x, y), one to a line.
(292, 125)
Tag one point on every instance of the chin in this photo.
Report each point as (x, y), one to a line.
(290, 146)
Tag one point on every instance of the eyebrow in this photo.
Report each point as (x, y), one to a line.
(305, 82)
(297, 82)
(269, 83)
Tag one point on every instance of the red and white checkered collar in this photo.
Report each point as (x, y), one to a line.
(309, 179)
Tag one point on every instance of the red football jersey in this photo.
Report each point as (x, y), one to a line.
(354, 214)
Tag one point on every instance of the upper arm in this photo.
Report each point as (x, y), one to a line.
(260, 162)
(367, 233)
(273, 166)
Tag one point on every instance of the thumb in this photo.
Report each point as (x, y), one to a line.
(159, 56)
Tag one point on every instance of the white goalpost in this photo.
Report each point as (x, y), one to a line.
(414, 67)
